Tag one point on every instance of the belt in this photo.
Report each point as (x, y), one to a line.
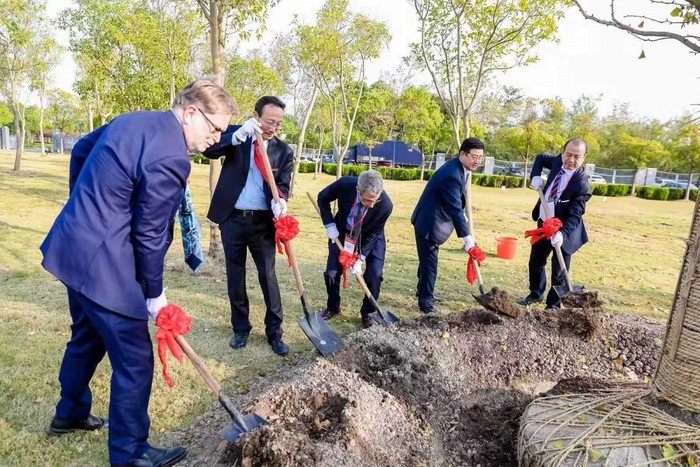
(248, 212)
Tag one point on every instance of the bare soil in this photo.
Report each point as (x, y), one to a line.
(435, 390)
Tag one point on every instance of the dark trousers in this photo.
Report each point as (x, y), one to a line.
(96, 330)
(427, 271)
(374, 266)
(538, 276)
(256, 233)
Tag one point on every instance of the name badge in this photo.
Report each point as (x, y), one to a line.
(349, 244)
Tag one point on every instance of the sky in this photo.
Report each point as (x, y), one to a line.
(589, 59)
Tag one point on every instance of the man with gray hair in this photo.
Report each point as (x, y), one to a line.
(363, 209)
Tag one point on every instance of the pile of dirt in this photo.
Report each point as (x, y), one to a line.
(434, 390)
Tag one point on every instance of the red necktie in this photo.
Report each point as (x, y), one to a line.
(554, 193)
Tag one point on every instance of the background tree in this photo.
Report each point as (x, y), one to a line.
(464, 43)
(19, 50)
(40, 74)
(228, 19)
(418, 120)
(336, 51)
(64, 110)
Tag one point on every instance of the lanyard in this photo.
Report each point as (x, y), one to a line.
(352, 216)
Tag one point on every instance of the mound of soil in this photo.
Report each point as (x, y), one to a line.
(430, 391)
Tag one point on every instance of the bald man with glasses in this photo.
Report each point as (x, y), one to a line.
(243, 207)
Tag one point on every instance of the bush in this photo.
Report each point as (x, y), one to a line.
(599, 190)
(617, 189)
(199, 159)
(653, 192)
(307, 167)
(514, 182)
(676, 193)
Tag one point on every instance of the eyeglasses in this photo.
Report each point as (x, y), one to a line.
(474, 157)
(216, 128)
(368, 200)
(272, 124)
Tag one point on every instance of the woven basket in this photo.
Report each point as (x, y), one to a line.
(677, 377)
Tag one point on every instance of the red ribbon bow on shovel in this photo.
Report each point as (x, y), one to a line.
(549, 228)
(475, 254)
(171, 322)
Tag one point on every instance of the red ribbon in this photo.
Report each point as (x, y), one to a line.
(171, 322)
(347, 260)
(475, 254)
(287, 228)
(549, 228)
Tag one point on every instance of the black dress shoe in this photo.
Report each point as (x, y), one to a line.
(367, 322)
(239, 340)
(529, 300)
(439, 298)
(61, 427)
(155, 457)
(279, 347)
(328, 314)
(429, 311)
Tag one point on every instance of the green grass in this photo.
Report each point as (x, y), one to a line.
(633, 260)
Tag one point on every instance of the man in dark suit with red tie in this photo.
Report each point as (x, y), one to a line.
(363, 209)
(567, 190)
(439, 212)
(107, 246)
(243, 207)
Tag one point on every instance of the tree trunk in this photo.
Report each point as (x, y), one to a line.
(634, 181)
(300, 140)
(687, 189)
(19, 140)
(677, 377)
(217, 46)
(41, 121)
(319, 162)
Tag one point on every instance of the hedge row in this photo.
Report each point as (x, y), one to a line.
(496, 181)
(663, 193)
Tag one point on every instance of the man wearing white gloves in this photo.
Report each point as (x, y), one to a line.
(363, 209)
(567, 190)
(245, 210)
(107, 246)
(440, 210)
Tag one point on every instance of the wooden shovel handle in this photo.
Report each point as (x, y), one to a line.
(268, 167)
(199, 365)
(557, 248)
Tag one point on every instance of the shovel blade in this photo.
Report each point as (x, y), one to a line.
(320, 334)
(384, 317)
(238, 427)
(563, 290)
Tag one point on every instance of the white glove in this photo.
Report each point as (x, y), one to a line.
(468, 243)
(154, 305)
(247, 130)
(279, 209)
(536, 182)
(357, 267)
(332, 232)
(558, 239)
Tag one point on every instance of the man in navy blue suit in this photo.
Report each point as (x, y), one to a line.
(363, 209)
(567, 190)
(440, 210)
(243, 207)
(108, 245)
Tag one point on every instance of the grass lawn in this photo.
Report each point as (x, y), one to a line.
(633, 260)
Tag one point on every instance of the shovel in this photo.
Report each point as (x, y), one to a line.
(383, 317)
(316, 329)
(561, 291)
(241, 423)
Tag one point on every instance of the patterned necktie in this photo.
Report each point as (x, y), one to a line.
(554, 193)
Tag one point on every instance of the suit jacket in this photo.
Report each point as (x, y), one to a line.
(571, 204)
(235, 171)
(344, 190)
(110, 239)
(440, 209)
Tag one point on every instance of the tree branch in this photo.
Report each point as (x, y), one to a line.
(644, 35)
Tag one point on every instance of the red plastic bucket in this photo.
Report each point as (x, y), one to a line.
(506, 247)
